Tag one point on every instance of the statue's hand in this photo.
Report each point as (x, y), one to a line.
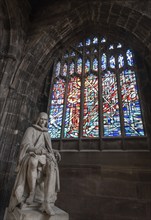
(38, 151)
(44, 151)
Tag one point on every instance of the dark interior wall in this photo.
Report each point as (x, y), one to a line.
(94, 185)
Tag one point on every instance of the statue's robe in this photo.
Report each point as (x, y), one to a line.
(35, 136)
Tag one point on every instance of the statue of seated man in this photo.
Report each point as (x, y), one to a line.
(37, 169)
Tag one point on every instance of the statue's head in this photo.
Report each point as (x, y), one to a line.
(42, 120)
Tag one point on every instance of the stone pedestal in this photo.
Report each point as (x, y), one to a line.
(29, 213)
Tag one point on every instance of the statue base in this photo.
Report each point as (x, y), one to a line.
(31, 213)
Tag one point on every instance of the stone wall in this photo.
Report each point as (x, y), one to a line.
(106, 186)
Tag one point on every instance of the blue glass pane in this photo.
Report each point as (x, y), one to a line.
(80, 44)
(130, 103)
(87, 66)
(95, 40)
(103, 61)
(112, 62)
(129, 58)
(56, 109)
(120, 61)
(58, 66)
(87, 51)
(103, 40)
(73, 54)
(111, 115)
(88, 41)
(66, 55)
(95, 65)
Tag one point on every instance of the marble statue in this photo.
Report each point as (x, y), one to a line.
(37, 177)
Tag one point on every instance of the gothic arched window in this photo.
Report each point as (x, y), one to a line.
(95, 92)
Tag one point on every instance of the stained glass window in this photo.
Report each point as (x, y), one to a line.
(65, 67)
(88, 41)
(66, 54)
(95, 64)
(91, 117)
(111, 116)
(72, 66)
(129, 58)
(79, 66)
(131, 105)
(80, 44)
(57, 71)
(73, 54)
(56, 110)
(103, 61)
(119, 45)
(95, 40)
(95, 50)
(87, 66)
(103, 40)
(112, 62)
(120, 61)
(73, 108)
(111, 47)
(95, 92)
(87, 51)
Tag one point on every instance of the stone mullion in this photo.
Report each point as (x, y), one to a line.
(82, 97)
(140, 96)
(100, 96)
(121, 114)
(65, 104)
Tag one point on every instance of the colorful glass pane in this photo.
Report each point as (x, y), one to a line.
(119, 45)
(111, 47)
(103, 40)
(87, 66)
(95, 40)
(56, 110)
(65, 68)
(95, 65)
(57, 71)
(129, 56)
(111, 116)
(73, 54)
(103, 61)
(71, 68)
(130, 103)
(88, 41)
(91, 117)
(80, 44)
(87, 51)
(120, 61)
(71, 129)
(66, 55)
(79, 66)
(112, 62)
(95, 50)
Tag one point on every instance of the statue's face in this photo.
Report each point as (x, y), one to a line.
(42, 121)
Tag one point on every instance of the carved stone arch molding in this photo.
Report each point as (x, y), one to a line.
(33, 44)
(13, 36)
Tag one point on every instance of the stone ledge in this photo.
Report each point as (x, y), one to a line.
(26, 214)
